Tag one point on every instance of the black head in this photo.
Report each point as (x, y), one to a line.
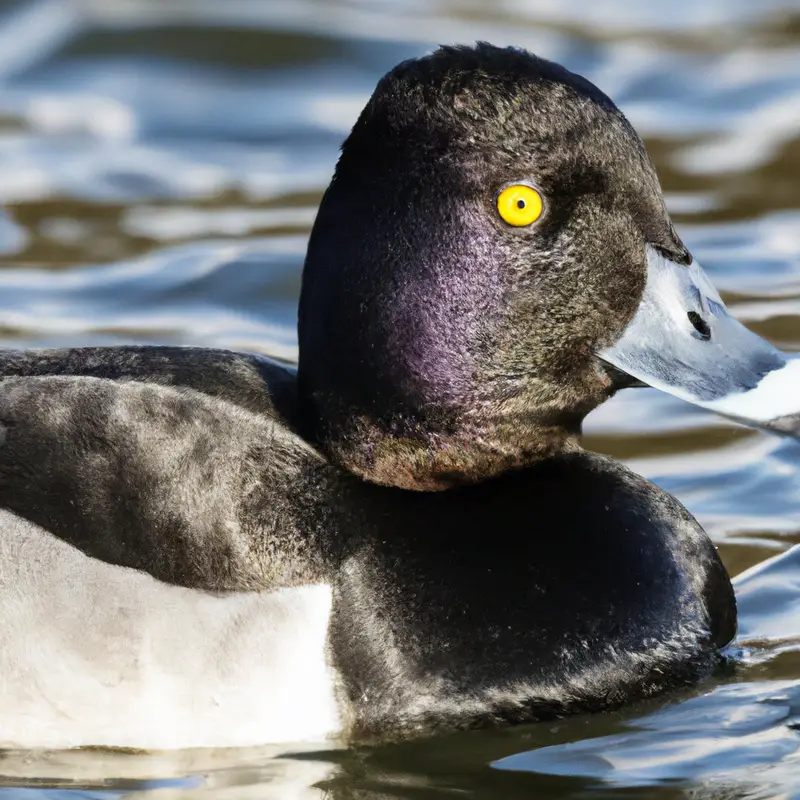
(438, 343)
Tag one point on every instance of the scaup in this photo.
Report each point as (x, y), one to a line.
(203, 547)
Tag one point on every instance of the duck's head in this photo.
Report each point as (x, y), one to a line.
(492, 260)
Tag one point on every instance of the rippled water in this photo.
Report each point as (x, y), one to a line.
(160, 166)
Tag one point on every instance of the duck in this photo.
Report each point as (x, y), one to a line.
(404, 535)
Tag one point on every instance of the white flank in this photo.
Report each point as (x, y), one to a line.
(94, 654)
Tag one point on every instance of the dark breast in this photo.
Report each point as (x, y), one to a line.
(575, 585)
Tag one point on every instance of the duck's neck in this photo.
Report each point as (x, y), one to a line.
(435, 450)
(444, 460)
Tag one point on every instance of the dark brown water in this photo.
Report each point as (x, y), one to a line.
(160, 165)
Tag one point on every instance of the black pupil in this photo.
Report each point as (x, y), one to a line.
(520, 204)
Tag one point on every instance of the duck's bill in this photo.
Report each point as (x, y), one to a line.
(683, 340)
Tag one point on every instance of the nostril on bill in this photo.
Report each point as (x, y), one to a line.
(699, 324)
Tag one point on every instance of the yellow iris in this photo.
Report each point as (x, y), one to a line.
(519, 205)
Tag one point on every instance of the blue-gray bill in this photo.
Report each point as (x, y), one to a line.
(683, 340)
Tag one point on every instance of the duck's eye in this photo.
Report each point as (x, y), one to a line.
(519, 205)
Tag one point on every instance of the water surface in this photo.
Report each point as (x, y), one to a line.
(160, 166)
